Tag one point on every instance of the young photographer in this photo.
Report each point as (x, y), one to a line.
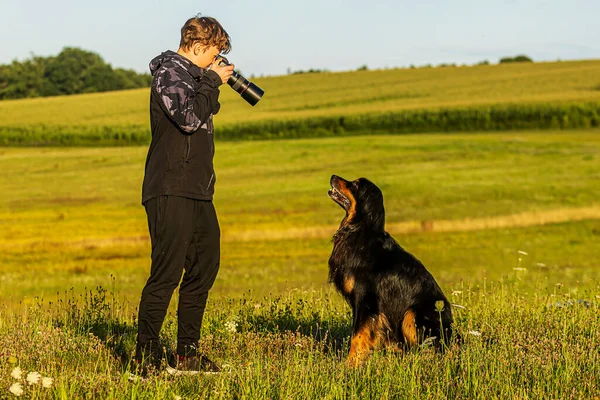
(178, 190)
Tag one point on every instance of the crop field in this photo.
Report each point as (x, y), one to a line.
(556, 95)
(508, 223)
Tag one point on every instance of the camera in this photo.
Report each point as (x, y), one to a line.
(248, 90)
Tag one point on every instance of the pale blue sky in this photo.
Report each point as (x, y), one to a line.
(270, 36)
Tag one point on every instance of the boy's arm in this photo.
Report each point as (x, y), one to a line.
(188, 108)
(209, 84)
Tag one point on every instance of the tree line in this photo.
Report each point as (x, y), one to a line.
(72, 71)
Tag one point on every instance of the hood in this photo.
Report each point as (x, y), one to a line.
(172, 59)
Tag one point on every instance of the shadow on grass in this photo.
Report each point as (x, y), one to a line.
(98, 313)
(284, 316)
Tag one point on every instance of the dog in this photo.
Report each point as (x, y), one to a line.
(396, 303)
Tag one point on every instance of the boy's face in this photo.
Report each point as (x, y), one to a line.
(204, 56)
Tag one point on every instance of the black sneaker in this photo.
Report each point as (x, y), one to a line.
(192, 365)
(140, 369)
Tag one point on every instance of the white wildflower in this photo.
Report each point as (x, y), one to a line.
(47, 382)
(475, 333)
(522, 252)
(456, 292)
(520, 269)
(16, 373)
(540, 264)
(231, 326)
(176, 397)
(33, 377)
(16, 389)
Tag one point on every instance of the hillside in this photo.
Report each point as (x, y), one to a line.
(528, 92)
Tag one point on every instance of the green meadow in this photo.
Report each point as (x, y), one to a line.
(553, 95)
(73, 215)
(507, 222)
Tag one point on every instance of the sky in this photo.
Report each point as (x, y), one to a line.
(270, 37)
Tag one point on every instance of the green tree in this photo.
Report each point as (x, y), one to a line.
(22, 79)
(71, 71)
(65, 73)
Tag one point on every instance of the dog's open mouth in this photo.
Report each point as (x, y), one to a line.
(338, 197)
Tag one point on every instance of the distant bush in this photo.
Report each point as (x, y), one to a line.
(309, 71)
(363, 68)
(519, 58)
(72, 71)
(484, 62)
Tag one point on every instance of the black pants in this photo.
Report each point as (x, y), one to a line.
(185, 235)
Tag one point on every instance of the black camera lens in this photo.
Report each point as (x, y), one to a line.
(248, 90)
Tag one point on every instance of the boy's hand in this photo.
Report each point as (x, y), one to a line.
(224, 72)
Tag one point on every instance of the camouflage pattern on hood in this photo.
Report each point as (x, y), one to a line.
(175, 80)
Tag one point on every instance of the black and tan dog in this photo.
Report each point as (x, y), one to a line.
(395, 301)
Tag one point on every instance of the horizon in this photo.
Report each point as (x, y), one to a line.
(270, 38)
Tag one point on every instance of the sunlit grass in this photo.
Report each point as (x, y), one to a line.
(330, 94)
(507, 223)
(520, 341)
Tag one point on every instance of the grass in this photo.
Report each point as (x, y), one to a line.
(443, 194)
(520, 342)
(347, 93)
(489, 97)
(508, 224)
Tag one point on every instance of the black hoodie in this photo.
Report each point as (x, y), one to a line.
(183, 100)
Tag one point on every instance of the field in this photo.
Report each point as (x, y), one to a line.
(489, 97)
(508, 223)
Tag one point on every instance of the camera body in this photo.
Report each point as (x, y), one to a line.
(248, 90)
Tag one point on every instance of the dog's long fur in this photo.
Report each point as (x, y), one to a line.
(395, 301)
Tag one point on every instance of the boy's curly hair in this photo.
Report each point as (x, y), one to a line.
(207, 31)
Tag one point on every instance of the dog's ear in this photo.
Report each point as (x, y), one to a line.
(371, 202)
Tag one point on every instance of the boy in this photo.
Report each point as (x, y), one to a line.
(177, 192)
